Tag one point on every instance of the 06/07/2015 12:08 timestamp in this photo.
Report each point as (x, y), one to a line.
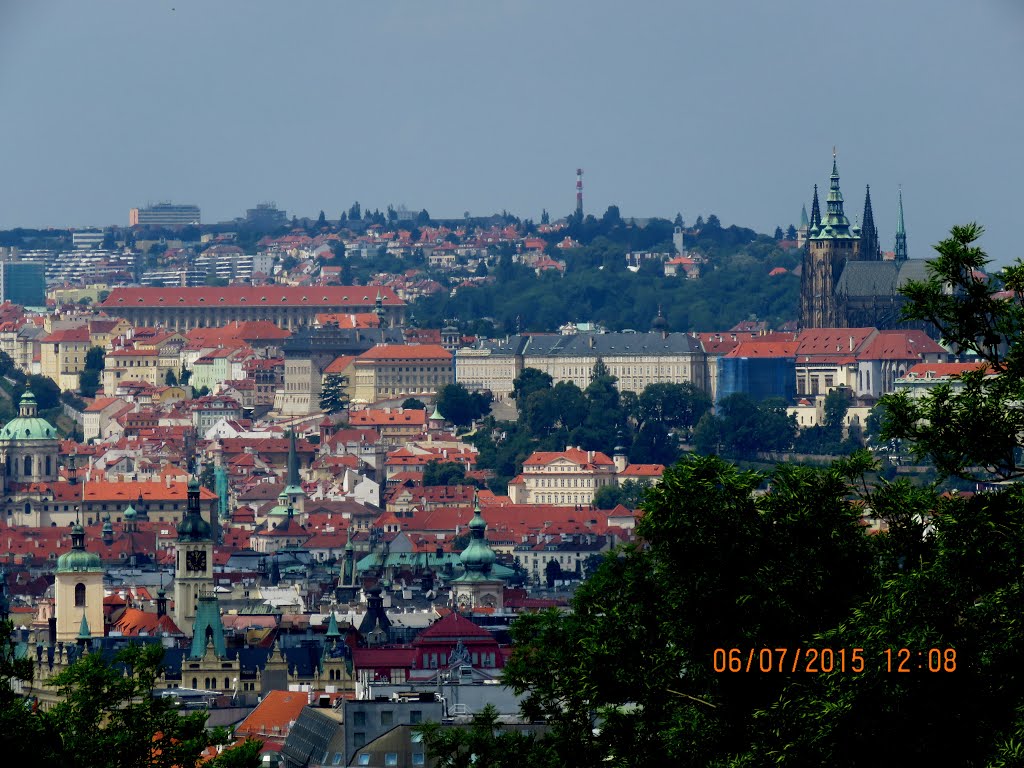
(826, 660)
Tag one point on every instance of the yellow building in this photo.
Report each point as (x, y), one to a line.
(62, 355)
(569, 477)
(390, 371)
(78, 591)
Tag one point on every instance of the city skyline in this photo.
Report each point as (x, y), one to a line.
(456, 107)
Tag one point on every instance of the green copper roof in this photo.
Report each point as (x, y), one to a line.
(436, 415)
(27, 425)
(207, 628)
(477, 556)
(83, 629)
(130, 513)
(332, 627)
(78, 560)
(834, 225)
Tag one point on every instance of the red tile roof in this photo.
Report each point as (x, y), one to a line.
(900, 345)
(243, 296)
(274, 715)
(407, 352)
(764, 349)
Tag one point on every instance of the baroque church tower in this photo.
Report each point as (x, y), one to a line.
(831, 243)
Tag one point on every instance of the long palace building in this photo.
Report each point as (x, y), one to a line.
(287, 306)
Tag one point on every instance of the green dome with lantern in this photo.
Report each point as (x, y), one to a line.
(78, 560)
(27, 425)
(477, 556)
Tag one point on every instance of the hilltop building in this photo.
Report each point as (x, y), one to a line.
(846, 281)
(166, 215)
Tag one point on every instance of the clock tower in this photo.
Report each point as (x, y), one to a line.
(193, 565)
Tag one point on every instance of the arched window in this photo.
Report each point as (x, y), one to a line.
(195, 682)
(79, 595)
(227, 684)
(28, 466)
(49, 466)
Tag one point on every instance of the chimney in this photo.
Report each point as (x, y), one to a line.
(851, 343)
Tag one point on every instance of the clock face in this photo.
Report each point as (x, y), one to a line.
(195, 560)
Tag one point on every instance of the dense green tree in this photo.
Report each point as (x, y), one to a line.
(485, 743)
(89, 382)
(552, 572)
(749, 426)
(627, 494)
(108, 718)
(355, 212)
(444, 473)
(6, 364)
(45, 390)
(170, 379)
(707, 436)
(414, 404)
(729, 569)
(971, 428)
(677, 406)
(529, 381)
(460, 406)
(334, 395)
(20, 729)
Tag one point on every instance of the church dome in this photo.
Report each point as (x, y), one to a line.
(477, 556)
(27, 425)
(78, 560)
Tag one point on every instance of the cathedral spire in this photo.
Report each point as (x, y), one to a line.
(901, 234)
(293, 460)
(815, 211)
(870, 250)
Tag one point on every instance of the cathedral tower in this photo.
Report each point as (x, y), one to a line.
(831, 242)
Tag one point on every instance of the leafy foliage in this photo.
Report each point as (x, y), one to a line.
(109, 717)
(334, 395)
(741, 560)
(484, 743)
(460, 406)
(972, 428)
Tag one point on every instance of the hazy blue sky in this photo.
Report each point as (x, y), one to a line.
(700, 107)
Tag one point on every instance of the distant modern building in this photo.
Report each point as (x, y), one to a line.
(23, 282)
(164, 215)
(87, 239)
(266, 215)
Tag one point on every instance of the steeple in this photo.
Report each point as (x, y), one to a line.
(815, 212)
(901, 234)
(835, 225)
(804, 221)
(869, 247)
(84, 633)
(293, 461)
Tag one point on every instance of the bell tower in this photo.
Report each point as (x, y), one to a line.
(193, 565)
(78, 590)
